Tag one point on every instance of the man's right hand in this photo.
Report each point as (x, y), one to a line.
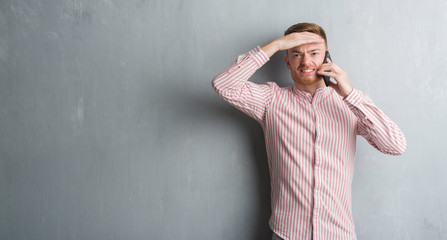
(290, 41)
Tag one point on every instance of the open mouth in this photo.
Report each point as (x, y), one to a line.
(307, 70)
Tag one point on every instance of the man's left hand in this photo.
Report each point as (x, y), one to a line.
(343, 87)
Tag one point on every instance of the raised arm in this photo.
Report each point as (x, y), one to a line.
(253, 99)
(290, 41)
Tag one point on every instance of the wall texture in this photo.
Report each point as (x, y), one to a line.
(109, 127)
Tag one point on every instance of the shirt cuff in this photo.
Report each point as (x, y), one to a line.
(354, 101)
(259, 56)
(354, 98)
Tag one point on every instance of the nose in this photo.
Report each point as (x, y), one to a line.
(305, 60)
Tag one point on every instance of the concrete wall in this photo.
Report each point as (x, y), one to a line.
(109, 127)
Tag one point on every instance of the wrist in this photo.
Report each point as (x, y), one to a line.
(346, 93)
(270, 48)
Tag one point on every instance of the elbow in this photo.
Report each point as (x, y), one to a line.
(402, 146)
(213, 83)
(400, 151)
(215, 86)
(399, 148)
(403, 149)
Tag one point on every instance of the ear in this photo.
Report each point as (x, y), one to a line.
(286, 59)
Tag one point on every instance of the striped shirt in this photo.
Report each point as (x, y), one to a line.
(311, 145)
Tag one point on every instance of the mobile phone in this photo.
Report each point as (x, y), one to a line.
(326, 78)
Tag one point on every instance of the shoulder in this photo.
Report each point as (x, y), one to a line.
(277, 88)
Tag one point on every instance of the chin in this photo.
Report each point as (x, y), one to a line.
(307, 81)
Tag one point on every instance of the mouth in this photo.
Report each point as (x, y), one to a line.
(307, 70)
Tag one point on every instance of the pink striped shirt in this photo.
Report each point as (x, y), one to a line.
(311, 145)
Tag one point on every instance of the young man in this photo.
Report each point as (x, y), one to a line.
(310, 133)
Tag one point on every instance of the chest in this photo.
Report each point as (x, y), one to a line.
(329, 118)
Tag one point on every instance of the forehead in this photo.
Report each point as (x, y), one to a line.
(309, 47)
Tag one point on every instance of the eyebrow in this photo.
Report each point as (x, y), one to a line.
(313, 50)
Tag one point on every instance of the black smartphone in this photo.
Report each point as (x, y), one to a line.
(326, 78)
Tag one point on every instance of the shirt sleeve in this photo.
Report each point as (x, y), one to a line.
(233, 85)
(375, 126)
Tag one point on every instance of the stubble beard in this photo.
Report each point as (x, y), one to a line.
(308, 80)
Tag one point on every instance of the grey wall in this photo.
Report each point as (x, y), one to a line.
(109, 127)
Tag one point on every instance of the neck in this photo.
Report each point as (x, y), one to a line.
(310, 88)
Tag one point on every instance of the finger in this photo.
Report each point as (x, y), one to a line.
(331, 66)
(309, 34)
(334, 86)
(327, 67)
(315, 41)
(312, 37)
(329, 74)
(304, 35)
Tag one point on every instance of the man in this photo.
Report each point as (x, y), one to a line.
(310, 133)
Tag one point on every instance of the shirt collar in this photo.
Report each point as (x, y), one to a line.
(320, 94)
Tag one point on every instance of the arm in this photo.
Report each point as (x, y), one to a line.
(233, 85)
(373, 124)
(253, 99)
(377, 128)
(290, 41)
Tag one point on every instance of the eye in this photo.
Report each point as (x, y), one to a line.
(297, 55)
(314, 53)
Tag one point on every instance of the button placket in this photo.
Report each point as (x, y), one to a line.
(316, 164)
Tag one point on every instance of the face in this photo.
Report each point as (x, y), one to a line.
(303, 62)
